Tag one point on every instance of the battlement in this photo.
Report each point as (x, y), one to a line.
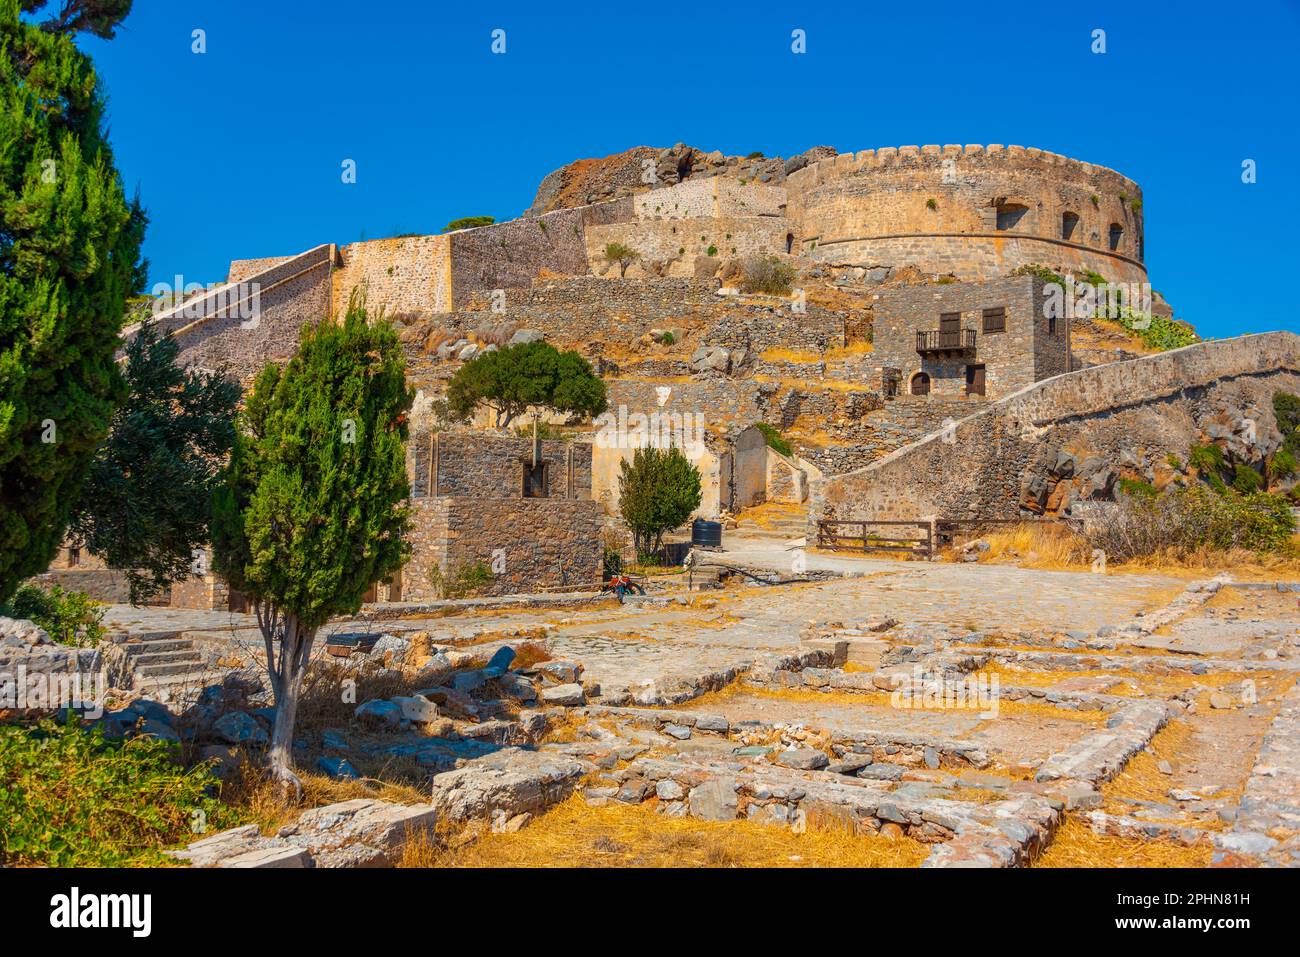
(847, 164)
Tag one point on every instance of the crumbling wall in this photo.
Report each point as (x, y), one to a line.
(985, 465)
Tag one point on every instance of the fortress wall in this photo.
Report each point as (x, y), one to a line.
(1146, 408)
(400, 274)
(681, 242)
(241, 269)
(580, 310)
(510, 255)
(293, 292)
(861, 208)
(709, 197)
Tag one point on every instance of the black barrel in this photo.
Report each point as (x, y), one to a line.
(705, 533)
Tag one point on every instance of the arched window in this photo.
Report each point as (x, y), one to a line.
(1010, 214)
(1116, 235)
(921, 384)
(1069, 223)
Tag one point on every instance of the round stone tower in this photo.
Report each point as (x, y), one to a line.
(976, 212)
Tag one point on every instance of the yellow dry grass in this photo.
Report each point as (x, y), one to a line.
(1160, 685)
(878, 699)
(1077, 845)
(263, 802)
(622, 835)
(1141, 778)
(859, 348)
(790, 355)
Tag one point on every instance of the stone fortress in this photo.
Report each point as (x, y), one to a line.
(911, 311)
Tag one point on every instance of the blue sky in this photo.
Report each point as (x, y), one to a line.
(237, 152)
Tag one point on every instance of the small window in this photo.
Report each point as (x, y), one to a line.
(1069, 223)
(74, 557)
(1116, 236)
(1051, 324)
(1010, 214)
(995, 320)
(535, 480)
(889, 382)
(921, 384)
(789, 243)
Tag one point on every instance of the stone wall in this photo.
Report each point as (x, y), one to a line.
(291, 292)
(510, 255)
(938, 209)
(989, 464)
(676, 246)
(400, 274)
(479, 465)
(1031, 347)
(535, 542)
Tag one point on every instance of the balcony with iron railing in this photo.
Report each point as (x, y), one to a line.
(945, 340)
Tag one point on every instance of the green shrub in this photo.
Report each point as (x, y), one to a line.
(1286, 408)
(1186, 519)
(931, 203)
(468, 222)
(1246, 480)
(774, 439)
(712, 250)
(1174, 462)
(69, 617)
(767, 274)
(1042, 272)
(70, 798)
(757, 154)
(1283, 464)
(658, 490)
(667, 338)
(1206, 459)
(1137, 488)
(465, 580)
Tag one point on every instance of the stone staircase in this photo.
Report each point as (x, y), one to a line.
(165, 664)
(785, 527)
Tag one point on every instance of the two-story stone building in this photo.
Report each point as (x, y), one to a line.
(968, 339)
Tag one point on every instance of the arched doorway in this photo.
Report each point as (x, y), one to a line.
(921, 384)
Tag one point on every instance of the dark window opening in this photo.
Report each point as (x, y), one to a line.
(975, 380)
(889, 381)
(1116, 235)
(789, 243)
(74, 557)
(1010, 214)
(535, 484)
(1069, 223)
(921, 384)
(1051, 325)
(995, 320)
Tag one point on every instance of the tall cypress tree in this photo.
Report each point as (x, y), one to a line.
(313, 510)
(69, 256)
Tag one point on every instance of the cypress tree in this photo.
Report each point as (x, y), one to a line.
(313, 508)
(69, 256)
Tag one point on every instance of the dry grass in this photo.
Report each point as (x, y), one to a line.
(1077, 845)
(1159, 685)
(622, 835)
(881, 700)
(790, 355)
(1053, 546)
(263, 802)
(1141, 778)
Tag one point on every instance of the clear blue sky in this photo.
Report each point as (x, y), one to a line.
(237, 152)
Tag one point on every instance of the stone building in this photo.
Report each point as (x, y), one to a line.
(969, 339)
(488, 500)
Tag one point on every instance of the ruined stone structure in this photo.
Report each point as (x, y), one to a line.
(974, 339)
(480, 499)
(1067, 438)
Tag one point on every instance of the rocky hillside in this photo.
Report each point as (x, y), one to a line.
(587, 181)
